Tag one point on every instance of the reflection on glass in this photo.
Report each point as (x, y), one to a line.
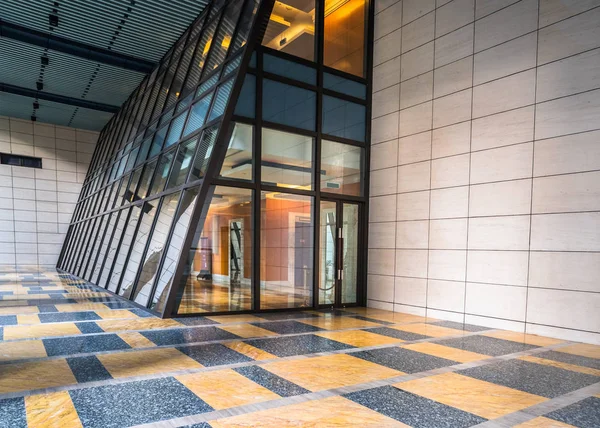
(197, 115)
(345, 86)
(175, 130)
(344, 47)
(207, 142)
(113, 248)
(218, 272)
(130, 194)
(286, 251)
(246, 102)
(238, 160)
(327, 253)
(165, 278)
(223, 38)
(97, 244)
(286, 159)
(343, 119)
(123, 249)
(291, 28)
(193, 77)
(103, 248)
(221, 99)
(289, 69)
(139, 244)
(341, 168)
(182, 163)
(350, 253)
(289, 105)
(159, 233)
(162, 172)
(145, 180)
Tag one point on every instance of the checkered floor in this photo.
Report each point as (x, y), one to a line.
(72, 355)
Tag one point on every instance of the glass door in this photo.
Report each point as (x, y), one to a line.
(338, 253)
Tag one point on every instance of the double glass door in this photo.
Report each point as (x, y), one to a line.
(338, 253)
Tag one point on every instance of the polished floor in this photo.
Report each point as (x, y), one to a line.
(72, 355)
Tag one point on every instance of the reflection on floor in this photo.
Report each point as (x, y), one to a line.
(73, 356)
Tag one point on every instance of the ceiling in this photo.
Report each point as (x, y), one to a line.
(97, 54)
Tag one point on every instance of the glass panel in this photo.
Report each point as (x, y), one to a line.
(245, 25)
(163, 284)
(286, 251)
(145, 180)
(207, 142)
(238, 160)
(122, 197)
(144, 148)
(139, 245)
(162, 172)
(349, 253)
(208, 83)
(175, 130)
(341, 168)
(343, 119)
(157, 143)
(103, 248)
(287, 159)
(345, 86)
(197, 115)
(154, 253)
(221, 99)
(218, 272)
(130, 195)
(113, 248)
(223, 39)
(327, 253)
(182, 163)
(291, 28)
(123, 249)
(131, 159)
(289, 69)
(197, 65)
(96, 246)
(289, 105)
(246, 102)
(344, 44)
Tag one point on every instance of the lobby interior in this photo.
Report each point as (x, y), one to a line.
(303, 213)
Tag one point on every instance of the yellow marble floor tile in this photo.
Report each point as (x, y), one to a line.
(395, 317)
(429, 330)
(561, 365)
(28, 319)
(235, 318)
(136, 324)
(247, 330)
(582, 349)
(76, 307)
(332, 412)
(359, 338)
(55, 410)
(446, 352)
(338, 323)
(21, 350)
(249, 350)
(542, 422)
(116, 314)
(35, 375)
(152, 361)
(330, 371)
(40, 330)
(475, 396)
(530, 339)
(223, 389)
(17, 310)
(136, 340)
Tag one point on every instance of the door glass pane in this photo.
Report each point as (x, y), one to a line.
(327, 253)
(238, 160)
(291, 28)
(341, 168)
(286, 159)
(286, 251)
(350, 253)
(345, 35)
(218, 272)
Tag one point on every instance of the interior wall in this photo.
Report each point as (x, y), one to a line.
(36, 204)
(485, 164)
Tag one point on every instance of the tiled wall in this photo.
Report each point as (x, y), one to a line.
(485, 182)
(36, 204)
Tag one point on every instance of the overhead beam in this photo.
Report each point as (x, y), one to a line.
(83, 50)
(26, 92)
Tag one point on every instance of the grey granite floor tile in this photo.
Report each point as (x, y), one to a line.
(404, 360)
(397, 334)
(538, 379)
(195, 321)
(214, 354)
(583, 414)
(460, 326)
(141, 313)
(89, 327)
(577, 360)
(8, 320)
(83, 344)
(287, 327)
(47, 308)
(69, 316)
(486, 345)
(297, 345)
(88, 369)
(187, 335)
(134, 403)
(413, 410)
(272, 382)
(12, 413)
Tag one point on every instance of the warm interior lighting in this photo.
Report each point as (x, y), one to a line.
(280, 20)
(333, 5)
(226, 42)
(207, 47)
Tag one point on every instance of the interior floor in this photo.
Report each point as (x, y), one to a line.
(73, 355)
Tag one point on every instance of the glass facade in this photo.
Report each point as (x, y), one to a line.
(211, 190)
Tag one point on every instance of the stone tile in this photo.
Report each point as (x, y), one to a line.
(403, 359)
(83, 345)
(88, 369)
(272, 382)
(297, 345)
(188, 335)
(486, 345)
(398, 334)
(54, 408)
(214, 354)
(584, 413)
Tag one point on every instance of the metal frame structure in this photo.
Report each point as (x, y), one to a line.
(97, 205)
